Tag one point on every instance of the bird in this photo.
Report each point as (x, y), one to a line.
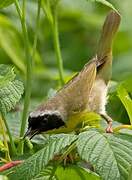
(87, 90)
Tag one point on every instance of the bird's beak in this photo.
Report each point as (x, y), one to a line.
(30, 133)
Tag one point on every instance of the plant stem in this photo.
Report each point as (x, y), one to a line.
(70, 148)
(13, 147)
(47, 10)
(5, 140)
(57, 45)
(28, 74)
(62, 157)
(116, 129)
(53, 21)
(29, 58)
(36, 29)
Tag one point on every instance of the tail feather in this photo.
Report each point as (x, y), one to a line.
(104, 51)
(109, 30)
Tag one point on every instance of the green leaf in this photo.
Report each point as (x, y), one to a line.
(6, 74)
(13, 120)
(47, 173)
(5, 3)
(111, 155)
(10, 95)
(37, 163)
(2, 147)
(130, 174)
(114, 106)
(10, 89)
(61, 172)
(74, 172)
(127, 83)
(106, 3)
(11, 43)
(126, 100)
(3, 177)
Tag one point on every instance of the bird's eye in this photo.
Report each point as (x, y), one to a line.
(44, 121)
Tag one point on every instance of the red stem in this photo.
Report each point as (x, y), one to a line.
(10, 165)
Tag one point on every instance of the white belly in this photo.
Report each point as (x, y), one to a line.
(97, 99)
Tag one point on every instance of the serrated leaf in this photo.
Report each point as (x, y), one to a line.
(5, 3)
(46, 174)
(36, 163)
(10, 95)
(111, 155)
(106, 3)
(126, 100)
(6, 74)
(10, 89)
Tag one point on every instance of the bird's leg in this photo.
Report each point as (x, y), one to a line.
(109, 122)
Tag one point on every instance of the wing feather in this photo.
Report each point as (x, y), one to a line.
(73, 97)
(75, 94)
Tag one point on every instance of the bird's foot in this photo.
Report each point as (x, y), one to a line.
(109, 122)
(109, 129)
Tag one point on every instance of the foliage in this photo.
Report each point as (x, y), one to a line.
(76, 172)
(106, 3)
(8, 33)
(5, 3)
(10, 89)
(42, 157)
(30, 38)
(3, 177)
(110, 155)
(126, 100)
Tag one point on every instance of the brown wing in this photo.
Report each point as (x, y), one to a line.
(74, 96)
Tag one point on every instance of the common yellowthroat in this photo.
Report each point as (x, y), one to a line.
(86, 91)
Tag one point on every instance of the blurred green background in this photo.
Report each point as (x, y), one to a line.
(80, 23)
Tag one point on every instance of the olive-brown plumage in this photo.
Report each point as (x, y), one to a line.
(86, 91)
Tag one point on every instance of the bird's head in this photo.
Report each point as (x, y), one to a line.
(41, 122)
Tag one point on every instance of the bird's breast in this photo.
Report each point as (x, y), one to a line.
(97, 98)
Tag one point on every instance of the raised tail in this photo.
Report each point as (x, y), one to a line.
(104, 50)
(109, 30)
